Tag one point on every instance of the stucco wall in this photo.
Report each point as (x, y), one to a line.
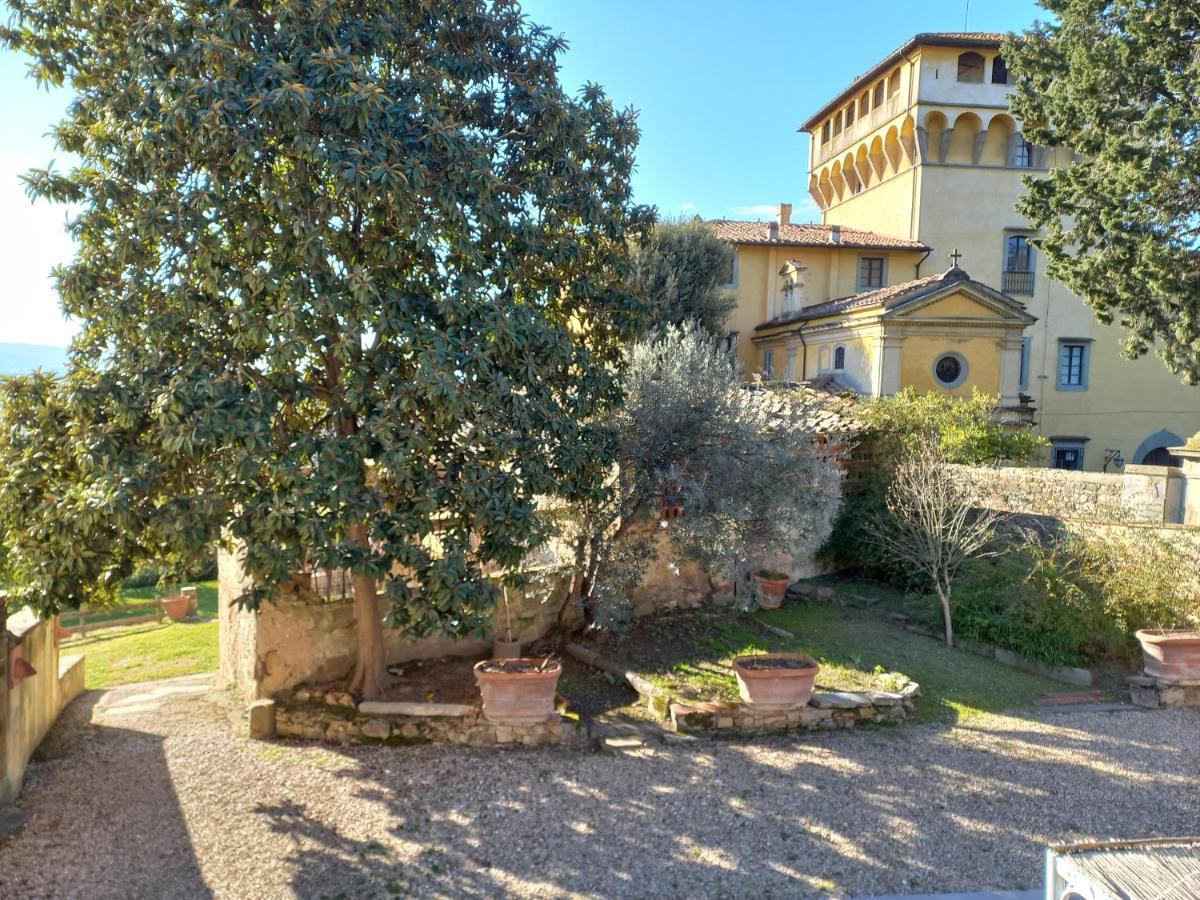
(29, 707)
(1141, 495)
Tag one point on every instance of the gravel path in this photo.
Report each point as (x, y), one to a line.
(144, 792)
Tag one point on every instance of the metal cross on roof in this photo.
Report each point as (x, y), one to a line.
(955, 256)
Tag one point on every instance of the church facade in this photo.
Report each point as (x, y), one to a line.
(916, 167)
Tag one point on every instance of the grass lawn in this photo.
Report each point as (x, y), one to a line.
(146, 652)
(689, 654)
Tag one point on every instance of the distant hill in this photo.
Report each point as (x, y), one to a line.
(20, 359)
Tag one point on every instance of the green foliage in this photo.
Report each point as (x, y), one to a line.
(341, 267)
(748, 478)
(1080, 598)
(971, 431)
(1117, 85)
(682, 269)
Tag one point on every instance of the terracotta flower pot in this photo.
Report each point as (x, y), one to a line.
(771, 588)
(775, 681)
(176, 607)
(1171, 653)
(517, 691)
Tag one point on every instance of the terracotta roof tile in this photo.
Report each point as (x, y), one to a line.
(818, 410)
(887, 297)
(808, 235)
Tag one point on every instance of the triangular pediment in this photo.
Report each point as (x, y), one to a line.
(964, 301)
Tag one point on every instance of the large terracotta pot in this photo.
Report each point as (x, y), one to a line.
(517, 691)
(176, 607)
(1171, 653)
(771, 588)
(775, 681)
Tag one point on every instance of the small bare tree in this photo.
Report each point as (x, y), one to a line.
(930, 523)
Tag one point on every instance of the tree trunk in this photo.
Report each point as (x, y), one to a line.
(368, 628)
(943, 592)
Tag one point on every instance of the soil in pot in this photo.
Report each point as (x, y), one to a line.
(518, 691)
(776, 681)
(771, 588)
(1172, 654)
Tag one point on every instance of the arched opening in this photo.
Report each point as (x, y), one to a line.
(862, 166)
(908, 140)
(999, 137)
(962, 142)
(935, 132)
(826, 188)
(970, 67)
(837, 123)
(864, 104)
(999, 70)
(849, 116)
(894, 82)
(838, 182)
(877, 95)
(814, 191)
(891, 149)
(853, 182)
(878, 160)
(839, 358)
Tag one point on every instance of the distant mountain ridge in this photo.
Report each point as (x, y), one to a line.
(21, 359)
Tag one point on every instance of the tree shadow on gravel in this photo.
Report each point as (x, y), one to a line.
(104, 820)
(838, 814)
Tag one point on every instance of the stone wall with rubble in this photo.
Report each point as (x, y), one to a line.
(299, 637)
(1140, 494)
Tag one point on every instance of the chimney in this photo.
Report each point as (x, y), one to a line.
(835, 234)
(785, 214)
(773, 231)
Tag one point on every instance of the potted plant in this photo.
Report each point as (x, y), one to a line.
(772, 586)
(775, 681)
(508, 647)
(176, 606)
(518, 691)
(1172, 654)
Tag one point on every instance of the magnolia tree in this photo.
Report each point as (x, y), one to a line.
(351, 284)
(749, 480)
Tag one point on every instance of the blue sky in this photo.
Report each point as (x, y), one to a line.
(720, 91)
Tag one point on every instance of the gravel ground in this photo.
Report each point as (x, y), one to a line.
(143, 791)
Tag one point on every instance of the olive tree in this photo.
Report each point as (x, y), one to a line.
(747, 475)
(682, 269)
(351, 279)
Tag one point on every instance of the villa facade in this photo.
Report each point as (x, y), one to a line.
(916, 167)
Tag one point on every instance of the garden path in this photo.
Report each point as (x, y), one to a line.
(144, 791)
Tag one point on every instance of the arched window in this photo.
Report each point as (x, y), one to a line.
(825, 132)
(839, 358)
(970, 67)
(877, 96)
(864, 104)
(999, 71)
(849, 115)
(894, 82)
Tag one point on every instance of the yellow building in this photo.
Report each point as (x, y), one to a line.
(922, 155)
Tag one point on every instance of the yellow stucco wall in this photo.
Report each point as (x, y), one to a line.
(919, 352)
(888, 206)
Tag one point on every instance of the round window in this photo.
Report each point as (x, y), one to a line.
(950, 370)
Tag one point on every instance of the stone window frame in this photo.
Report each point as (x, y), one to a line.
(962, 372)
(839, 349)
(1085, 361)
(859, 286)
(1073, 444)
(1026, 358)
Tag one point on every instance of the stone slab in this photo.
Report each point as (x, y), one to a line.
(839, 700)
(406, 708)
(262, 720)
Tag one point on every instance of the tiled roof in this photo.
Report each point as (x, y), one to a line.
(888, 298)
(808, 235)
(818, 411)
(939, 38)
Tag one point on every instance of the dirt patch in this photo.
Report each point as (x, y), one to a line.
(447, 680)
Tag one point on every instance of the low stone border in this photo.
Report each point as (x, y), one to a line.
(1160, 693)
(335, 718)
(840, 709)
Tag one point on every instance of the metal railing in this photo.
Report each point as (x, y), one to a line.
(1018, 283)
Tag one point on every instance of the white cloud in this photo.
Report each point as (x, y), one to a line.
(689, 207)
(804, 211)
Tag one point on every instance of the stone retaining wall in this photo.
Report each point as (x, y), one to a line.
(841, 709)
(335, 718)
(1140, 494)
(1161, 693)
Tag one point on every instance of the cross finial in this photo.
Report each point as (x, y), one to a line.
(955, 256)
